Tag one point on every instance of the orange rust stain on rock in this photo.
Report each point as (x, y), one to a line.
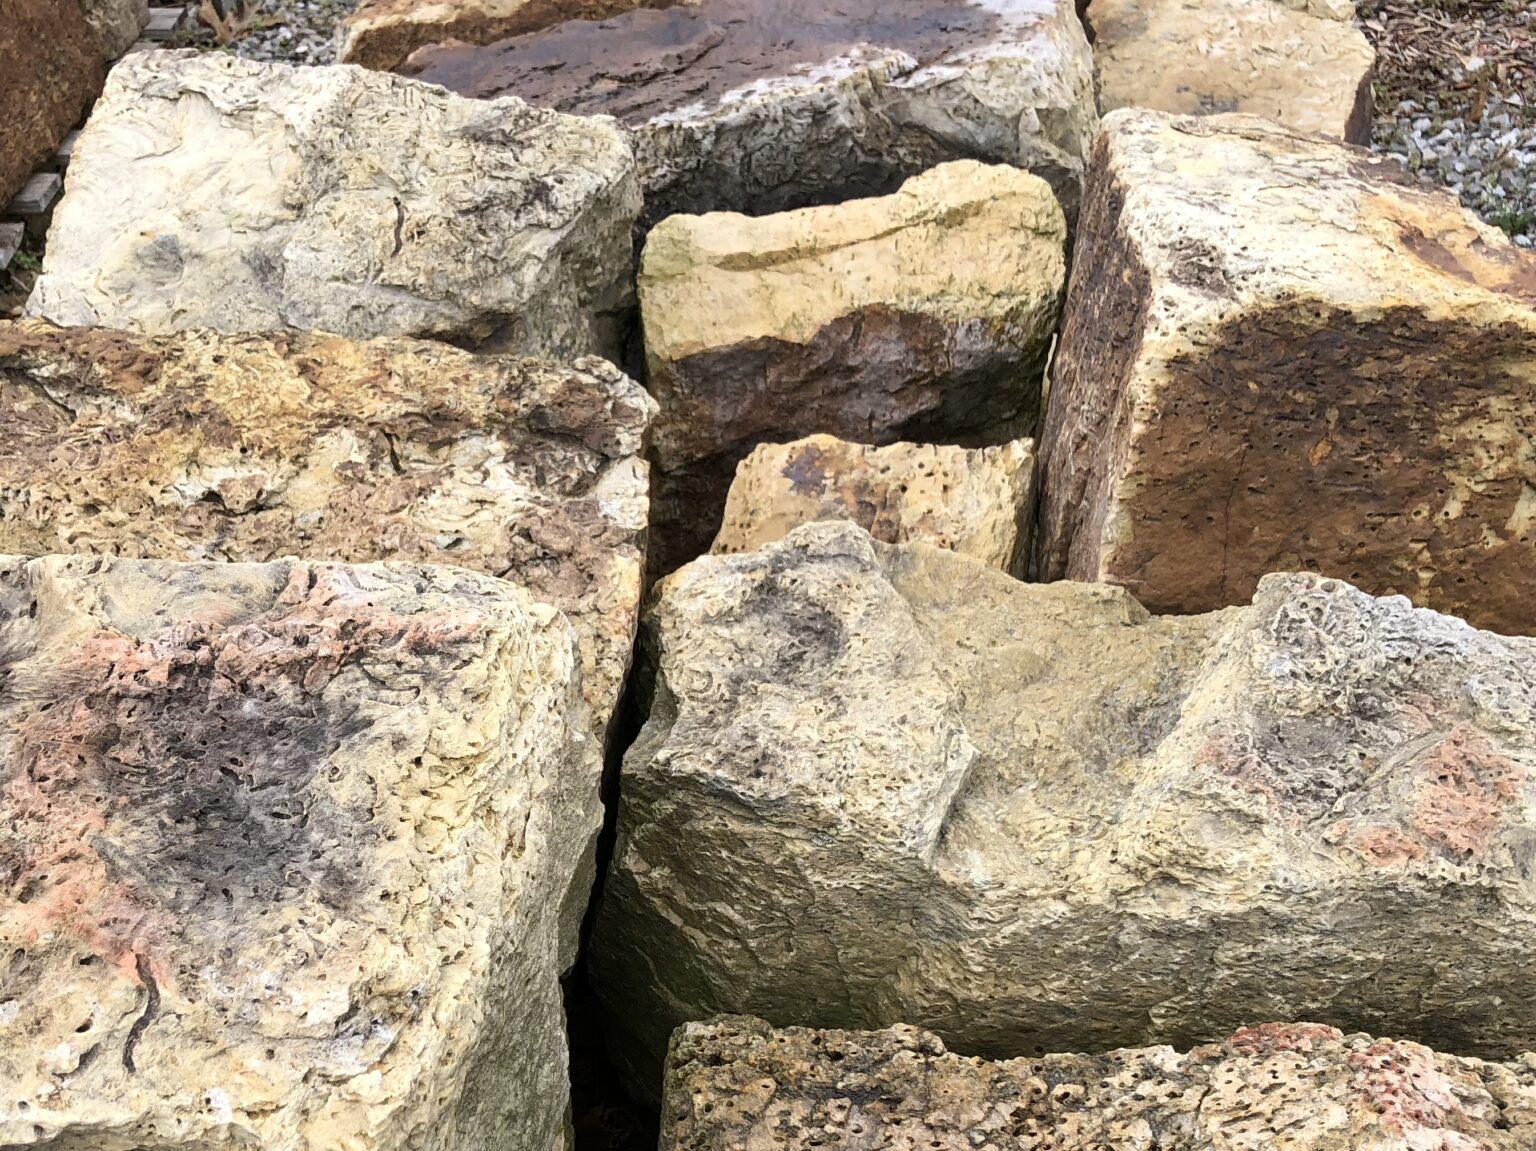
(1450, 245)
(1387, 846)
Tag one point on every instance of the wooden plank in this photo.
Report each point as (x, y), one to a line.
(162, 23)
(10, 241)
(37, 195)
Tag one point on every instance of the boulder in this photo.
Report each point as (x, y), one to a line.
(214, 192)
(382, 33)
(1307, 70)
(1275, 357)
(764, 105)
(116, 23)
(50, 70)
(871, 320)
(974, 501)
(736, 1082)
(889, 783)
(285, 847)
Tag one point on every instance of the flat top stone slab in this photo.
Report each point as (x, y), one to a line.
(735, 1082)
(285, 850)
(213, 192)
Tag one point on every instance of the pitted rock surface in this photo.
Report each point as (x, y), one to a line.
(882, 784)
(213, 192)
(51, 68)
(736, 1082)
(872, 320)
(765, 105)
(286, 848)
(973, 501)
(1307, 70)
(1274, 358)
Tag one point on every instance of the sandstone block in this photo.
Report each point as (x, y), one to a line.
(974, 501)
(1307, 70)
(286, 846)
(213, 192)
(1274, 357)
(736, 1082)
(872, 320)
(50, 70)
(882, 783)
(765, 105)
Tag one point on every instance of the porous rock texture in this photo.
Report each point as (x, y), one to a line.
(872, 320)
(286, 847)
(51, 68)
(889, 783)
(382, 33)
(213, 192)
(764, 105)
(1275, 358)
(974, 501)
(1307, 70)
(735, 1082)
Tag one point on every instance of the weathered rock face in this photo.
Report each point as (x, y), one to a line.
(890, 783)
(116, 23)
(871, 320)
(764, 105)
(974, 501)
(1306, 70)
(736, 1082)
(50, 71)
(285, 849)
(382, 33)
(1274, 358)
(255, 447)
(213, 192)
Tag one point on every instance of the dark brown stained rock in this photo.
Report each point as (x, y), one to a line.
(870, 320)
(767, 105)
(1277, 357)
(51, 68)
(736, 1082)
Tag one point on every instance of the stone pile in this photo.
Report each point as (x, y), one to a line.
(1058, 666)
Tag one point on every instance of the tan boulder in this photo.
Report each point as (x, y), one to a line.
(889, 783)
(285, 850)
(382, 33)
(1275, 357)
(736, 1082)
(51, 68)
(871, 320)
(1304, 66)
(974, 501)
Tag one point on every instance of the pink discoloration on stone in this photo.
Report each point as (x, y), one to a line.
(1387, 846)
(1467, 785)
(1413, 1097)
(1272, 1038)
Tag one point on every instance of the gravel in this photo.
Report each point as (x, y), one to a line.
(286, 32)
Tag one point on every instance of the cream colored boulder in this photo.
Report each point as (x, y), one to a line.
(973, 501)
(213, 192)
(736, 1082)
(872, 320)
(1275, 357)
(285, 850)
(890, 783)
(753, 106)
(1301, 65)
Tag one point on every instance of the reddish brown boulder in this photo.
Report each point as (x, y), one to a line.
(51, 69)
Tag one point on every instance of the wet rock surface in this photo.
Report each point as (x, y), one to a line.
(890, 784)
(1274, 357)
(758, 107)
(287, 846)
(1300, 68)
(973, 501)
(870, 320)
(736, 1082)
(212, 192)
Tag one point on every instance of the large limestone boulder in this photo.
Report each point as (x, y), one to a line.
(382, 33)
(285, 849)
(891, 783)
(764, 105)
(1274, 357)
(1308, 70)
(51, 68)
(872, 320)
(975, 501)
(214, 192)
(736, 1082)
